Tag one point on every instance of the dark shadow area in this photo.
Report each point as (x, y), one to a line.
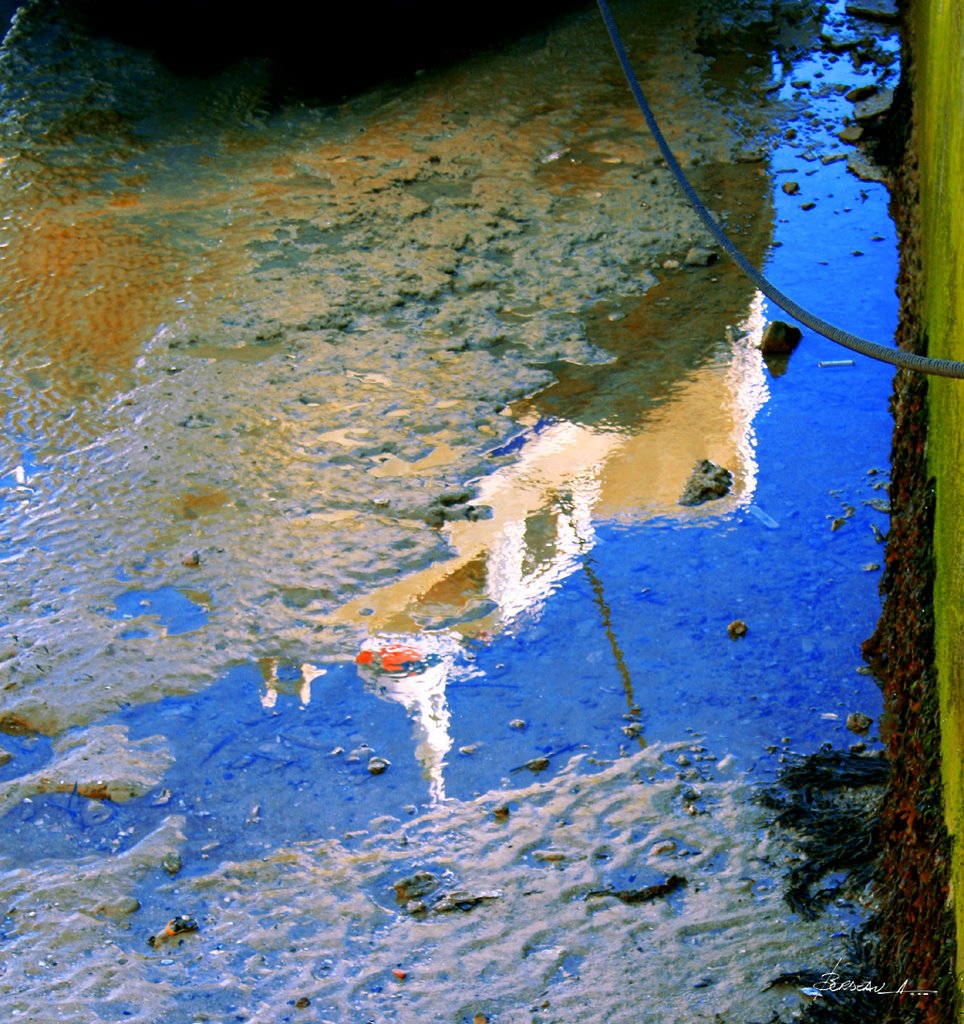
(317, 52)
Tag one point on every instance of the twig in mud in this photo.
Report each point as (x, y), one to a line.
(644, 895)
(538, 764)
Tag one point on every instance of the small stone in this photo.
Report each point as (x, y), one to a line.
(192, 559)
(874, 10)
(633, 730)
(670, 264)
(662, 848)
(859, 723)
(726, 762)
(874, 106)
(707, 482)
(171, 863)
(480, 1018)
(779, 338)
(501, 813)
(414, 887)
(852, 133)
(470, 748)
(862, 92)
(790, 187)
(377, 765)
(537, 764)
(549, 856)
(737, 629)
(5, 757)
(517, 723)
(699, 256)
(807, 205)
(302, 1003)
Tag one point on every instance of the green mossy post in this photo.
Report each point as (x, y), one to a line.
(917, 651)
(938, 27)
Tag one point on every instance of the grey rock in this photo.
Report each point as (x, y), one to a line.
(707, 482)
(874, 106)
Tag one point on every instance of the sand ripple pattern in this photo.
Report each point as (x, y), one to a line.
(319, 920)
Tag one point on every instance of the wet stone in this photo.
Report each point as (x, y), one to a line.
(737, 629)
(464, 900)
(414, 887)
(699, 256)
(780, 338)
(707, 482)
(171, 863)
(874, 106)
(859, 723)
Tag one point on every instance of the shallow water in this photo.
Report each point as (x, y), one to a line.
(420, 376)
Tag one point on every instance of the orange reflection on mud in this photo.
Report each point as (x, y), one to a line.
(82, 289)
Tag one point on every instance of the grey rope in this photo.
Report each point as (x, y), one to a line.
(894, 356)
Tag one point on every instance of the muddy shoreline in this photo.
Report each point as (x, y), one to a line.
(311, 389)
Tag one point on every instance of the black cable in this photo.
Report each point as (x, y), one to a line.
(894, 356)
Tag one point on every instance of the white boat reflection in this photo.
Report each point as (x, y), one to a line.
(568, 476)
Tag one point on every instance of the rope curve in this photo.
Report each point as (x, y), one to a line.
(894, 356)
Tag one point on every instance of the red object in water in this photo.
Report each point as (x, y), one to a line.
(394, 658)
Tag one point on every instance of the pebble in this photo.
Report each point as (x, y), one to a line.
(699, 256)
(858, 722)
(517, 723)
(377, 765)
(171, 863)
(663, 847)
(791, 187)
(736, 629)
